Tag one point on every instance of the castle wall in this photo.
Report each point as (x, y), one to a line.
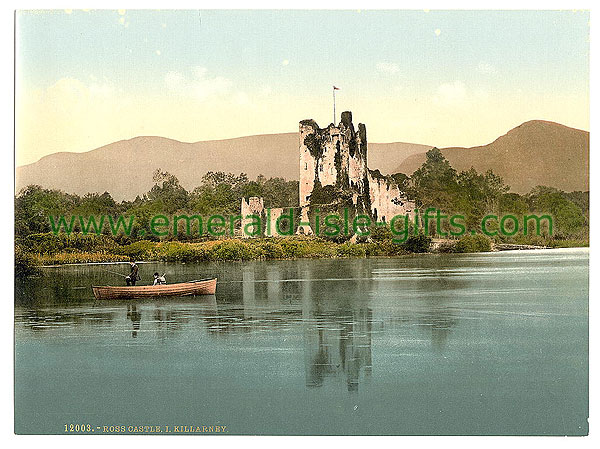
(357, 163)
(307, 162)
(254, 206)
(274, 213)
(387, 200)
(304, 229)
(337, 156)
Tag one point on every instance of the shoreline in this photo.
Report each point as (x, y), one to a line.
(45, 250)
(524, 248)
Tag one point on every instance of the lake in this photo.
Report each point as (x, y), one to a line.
(491, 343)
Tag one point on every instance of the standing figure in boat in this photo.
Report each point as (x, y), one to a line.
(134, 275)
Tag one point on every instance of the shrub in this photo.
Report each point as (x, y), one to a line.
(417, 243)
(270, 250)
(179, 252)
(473, 244)
(77, 257)
(24, 263)
(50, 243)
(141, 250)
(373, 249)
(379, 233)
(447, 247)
(569, 243)
(318, 248)
(233, 250)
(292, 248)
(351, 250)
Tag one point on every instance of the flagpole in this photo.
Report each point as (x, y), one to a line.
(333, 105)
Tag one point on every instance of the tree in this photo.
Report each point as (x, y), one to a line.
(168, 191)
(434, 183)
(478, 195)
(568, 218)
(34, 205)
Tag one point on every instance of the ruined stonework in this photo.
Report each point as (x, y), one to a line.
(386, 198)
(333, 156)
(273, 215)
(254, 206)
(337, 156)
(334, 173)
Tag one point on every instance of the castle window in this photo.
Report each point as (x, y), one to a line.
(306, 166)
(320, 168)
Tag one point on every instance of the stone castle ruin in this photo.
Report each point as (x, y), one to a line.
(334, 176)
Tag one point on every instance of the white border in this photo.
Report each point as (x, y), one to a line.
(7, 242)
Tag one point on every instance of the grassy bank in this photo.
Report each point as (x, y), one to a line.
(44, 249)
(48, 249)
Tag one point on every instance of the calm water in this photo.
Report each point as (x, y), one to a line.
(427, 344)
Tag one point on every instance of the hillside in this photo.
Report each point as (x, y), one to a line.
(125, 168)
(534, 153)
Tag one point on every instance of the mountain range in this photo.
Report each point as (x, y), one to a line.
(534, 153)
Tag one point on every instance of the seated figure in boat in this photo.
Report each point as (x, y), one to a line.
(158, 280)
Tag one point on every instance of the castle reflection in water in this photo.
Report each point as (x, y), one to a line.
(337, 335)
(332, 309)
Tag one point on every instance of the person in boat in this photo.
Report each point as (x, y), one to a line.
(158, 280)
(134, 275)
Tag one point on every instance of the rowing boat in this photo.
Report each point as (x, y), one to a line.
(200, 287)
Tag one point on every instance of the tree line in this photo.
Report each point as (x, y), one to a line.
(435, 184)
(218, 193)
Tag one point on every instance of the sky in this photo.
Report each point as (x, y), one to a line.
(446, 78)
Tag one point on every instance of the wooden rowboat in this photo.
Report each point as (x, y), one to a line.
(200, 287)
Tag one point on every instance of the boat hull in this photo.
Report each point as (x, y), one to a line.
(202, 287)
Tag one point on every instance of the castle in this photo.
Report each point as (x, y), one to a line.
(333, 169)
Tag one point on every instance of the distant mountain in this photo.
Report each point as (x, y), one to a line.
(534, 153)
(125, 168)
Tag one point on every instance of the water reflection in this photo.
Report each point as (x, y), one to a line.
(339, 347)
(135, 317)
(328, 303)
(336, 307)
(455, 341)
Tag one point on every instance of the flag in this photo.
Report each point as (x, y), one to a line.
(336, 88)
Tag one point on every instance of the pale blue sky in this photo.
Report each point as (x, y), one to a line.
(284, 63)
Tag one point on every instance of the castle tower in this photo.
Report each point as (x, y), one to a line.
(334, 174)
(336, 155)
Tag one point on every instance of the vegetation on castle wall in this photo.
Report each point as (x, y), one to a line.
(341, 180)
(327, 200)
(314, 143)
